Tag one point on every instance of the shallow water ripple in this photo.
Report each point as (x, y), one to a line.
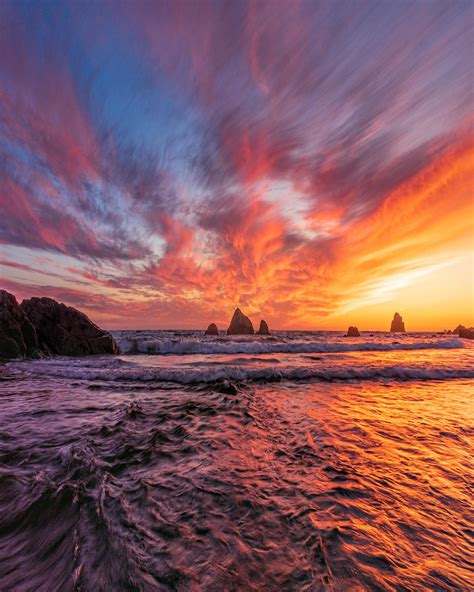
(234, 485)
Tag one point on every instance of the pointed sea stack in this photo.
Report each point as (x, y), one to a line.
(353, 332)
(263, 329)
(398, 326)
(240, 324)
(17, 334)
(212, 330)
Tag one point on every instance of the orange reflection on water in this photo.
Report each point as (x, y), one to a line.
(373, 481)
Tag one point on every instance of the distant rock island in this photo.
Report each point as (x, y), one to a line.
(353, 332)
(212, 330)
(40, 327)
(240, 324)
(466, 333)
(397, 326)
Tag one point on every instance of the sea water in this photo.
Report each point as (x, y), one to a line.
(298, 461)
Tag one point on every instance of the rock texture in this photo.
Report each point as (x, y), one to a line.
(398, 326)
(17, 334)
(263, 329)
(466, 333)
(212, 330)
(65, 331)
(458, 328)
(353, 332)
(240, 324)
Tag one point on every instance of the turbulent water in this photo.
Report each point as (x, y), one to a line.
(299, 461)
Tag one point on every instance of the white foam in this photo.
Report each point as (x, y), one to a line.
(266, 346)
(190, 375)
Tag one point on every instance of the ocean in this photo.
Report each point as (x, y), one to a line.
(302, 461)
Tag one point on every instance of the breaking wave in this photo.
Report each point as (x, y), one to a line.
(129, 372)
(270, 346)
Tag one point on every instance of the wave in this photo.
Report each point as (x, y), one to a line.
(224, 346)
(195, 375)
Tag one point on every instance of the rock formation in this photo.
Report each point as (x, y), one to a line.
(353, 332)
(212, 330)
(458, 328)
(466, 333)
(263, 329)
(240, 324)
(398, 326)
(17, 334)
(65, 331)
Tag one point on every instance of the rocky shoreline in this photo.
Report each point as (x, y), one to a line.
(40, 327)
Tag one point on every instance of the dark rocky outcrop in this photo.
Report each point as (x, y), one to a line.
(17, 334)
(263, 329)
(240, 324)
(458, 328)
(397, 326)
(353, 332)
(466, 333)
(65, 331)
(212, 330)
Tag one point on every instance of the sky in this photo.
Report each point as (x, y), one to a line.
(309, 161)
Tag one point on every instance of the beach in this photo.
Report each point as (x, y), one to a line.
(302, 461)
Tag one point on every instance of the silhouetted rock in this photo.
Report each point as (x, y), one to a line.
(398, 326)
(458, 328)
(466, 333)
(240, 324)
(263, 329)
(65, 331)
(212, 330)
(353, 332)
(17, 334)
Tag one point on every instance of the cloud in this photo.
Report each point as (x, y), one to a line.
(318, 153)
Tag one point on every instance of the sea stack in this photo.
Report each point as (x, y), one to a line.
(466, 333)
(212, 330)
(263, 329)
(398, 326)
(240, 324)
(65, 331)
(17, 334)
(353, 332)
(458, 329)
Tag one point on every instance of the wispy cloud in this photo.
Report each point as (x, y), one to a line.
(298, 158)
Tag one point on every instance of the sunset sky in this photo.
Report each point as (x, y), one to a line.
(311, 162)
